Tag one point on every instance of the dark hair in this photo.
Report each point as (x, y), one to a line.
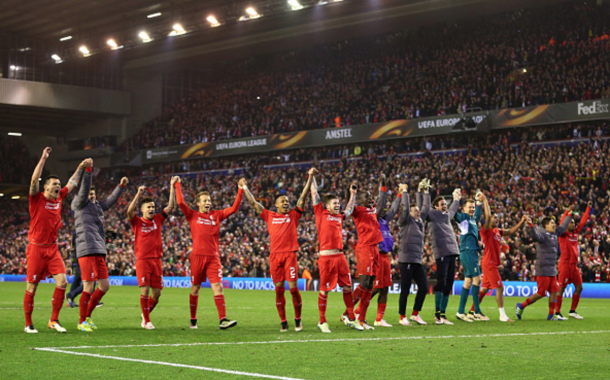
(413, 204)
(469, 200)
(546, 220)
(52, 176)
(329, 197)
(436, 201)
(145, 201)
(278, 197)
(92, 188)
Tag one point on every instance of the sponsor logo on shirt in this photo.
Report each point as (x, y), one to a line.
(281, 220)
(147, 229)
(52, 206)
(207, 222)
(331, 218)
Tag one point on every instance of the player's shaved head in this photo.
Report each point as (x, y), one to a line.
(50, 179)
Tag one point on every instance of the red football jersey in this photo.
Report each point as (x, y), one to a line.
(568, 242)
(492, 239)
(283, 229)
(45, 217)
(205, 227)
(148, 244)
(329, 228)
(369, 232)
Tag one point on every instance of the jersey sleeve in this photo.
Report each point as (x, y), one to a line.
(318, 209)
(63, 193)
(357, 211)
(133, 221)
(296, 214)
(265, 215)
(160, 217)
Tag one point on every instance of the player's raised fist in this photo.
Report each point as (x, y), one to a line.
(174, 180)
(382, 178)
(141, 189)
(353, 188)
(241, 183)
(46, 152)
(480, 196)
(313, 171)
(88, 162)
(124, 181)
(457, 194)
(590, 204)
(403, 187)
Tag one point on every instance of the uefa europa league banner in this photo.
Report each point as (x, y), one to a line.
(552, 113)
(312, 138)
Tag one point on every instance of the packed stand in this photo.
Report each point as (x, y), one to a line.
(527, 57)
(515, 173)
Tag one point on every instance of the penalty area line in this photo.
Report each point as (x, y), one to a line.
(333, 340)
(201, 368)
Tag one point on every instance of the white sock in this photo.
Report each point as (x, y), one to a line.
(502, 313)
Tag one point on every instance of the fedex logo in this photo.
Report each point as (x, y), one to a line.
(596, 108)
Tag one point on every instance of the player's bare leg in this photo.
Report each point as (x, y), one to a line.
(28, 306)
(297, 302)
(61, 282)
(193, 303)
(219, 300)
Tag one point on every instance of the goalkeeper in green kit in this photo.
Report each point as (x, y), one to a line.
(469, 256)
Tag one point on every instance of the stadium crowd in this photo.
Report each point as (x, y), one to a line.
(527, 57)
(520, 170)
(15, 161)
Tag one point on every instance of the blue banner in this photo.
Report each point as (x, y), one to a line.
(245, 283)
(526, 289)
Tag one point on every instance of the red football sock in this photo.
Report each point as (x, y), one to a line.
(380, 311)
(552, 307)
(220, 305)
(144, 305)
(558, 303)
(28, 307)
(280, 303)
(575, 300)
(193, 301)
(349, 303)
(526, 303)
(57, 302)
(152, 303)
(322, 307)
(297, 302)
(357, 295)
(96, 297)
(364, 304)
(415, 313)
(83, 305)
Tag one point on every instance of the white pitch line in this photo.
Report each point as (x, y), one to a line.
(330, 340)
(239, 373)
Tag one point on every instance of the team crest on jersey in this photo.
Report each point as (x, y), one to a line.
(52, 206)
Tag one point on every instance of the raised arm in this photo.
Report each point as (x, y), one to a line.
(315, 197)
(240, 195)
(515, 228)
(393, 209)
(563, 227)
(180, 199)
(453, 207)
(426, 207)
(382, 195)
(405, 208)
(82, 196)
(349, 209)
(172, 199)
(487, 213)
(131, 210)
(534, 234)
(116, 194)
(252, 201)
(584, 218)
(73, 181)
(34, 187)
(307, 189)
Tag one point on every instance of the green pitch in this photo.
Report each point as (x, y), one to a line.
(530, 348)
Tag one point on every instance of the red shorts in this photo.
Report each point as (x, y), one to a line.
(569, 274)
(547, 284)
(42, 262)
(333, 269)
(93, 267)
(384, 272)
(149, 273)
(491, 278)
(284, 266)
(205, 267)
(367, 259)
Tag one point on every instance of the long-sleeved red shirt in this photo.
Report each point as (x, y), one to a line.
(568, 242)
(205, 227)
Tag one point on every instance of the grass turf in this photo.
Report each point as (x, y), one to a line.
(532, 348)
